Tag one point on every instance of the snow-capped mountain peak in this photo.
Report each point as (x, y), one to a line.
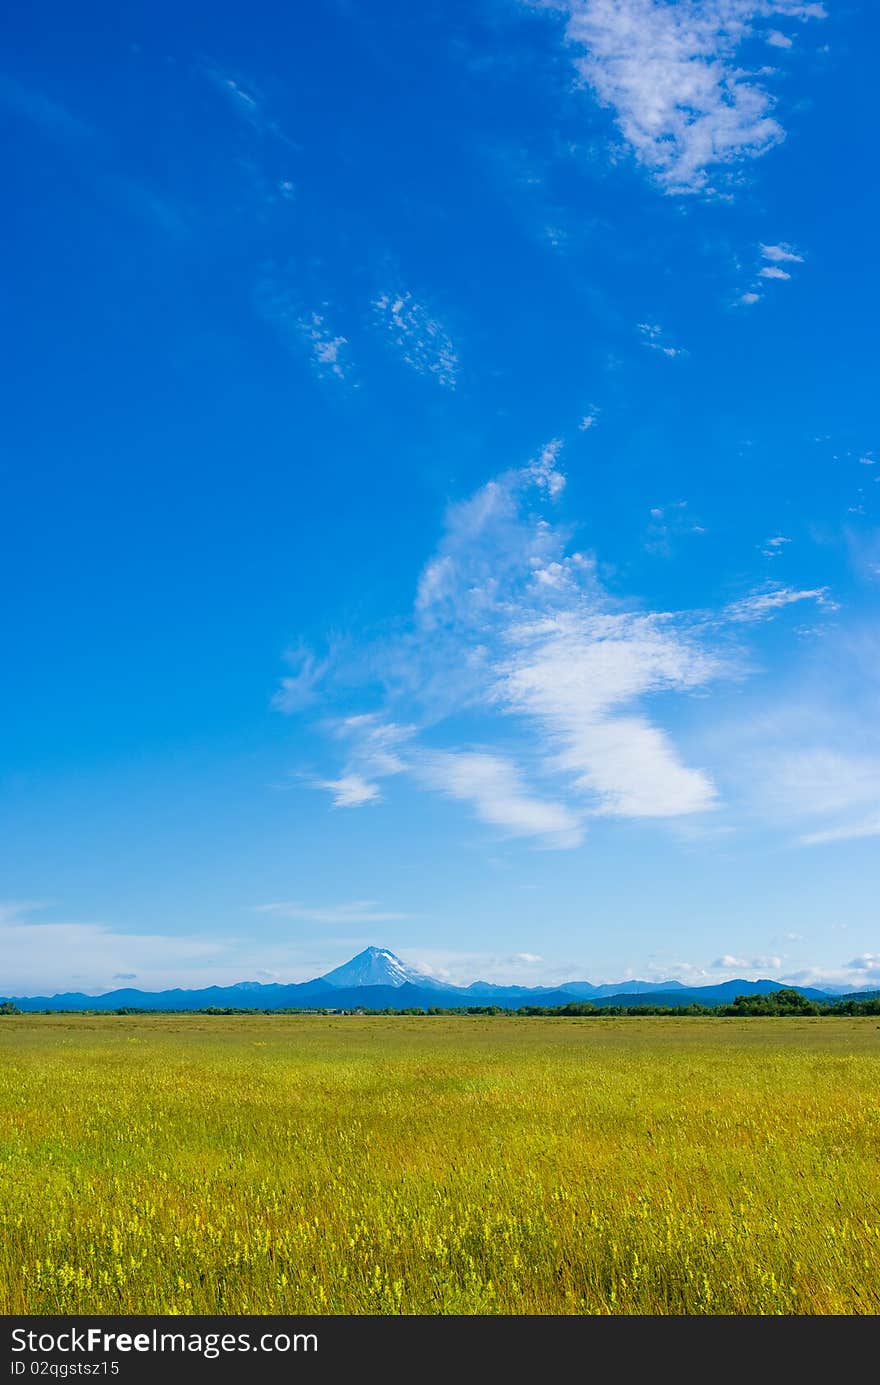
(376, 966)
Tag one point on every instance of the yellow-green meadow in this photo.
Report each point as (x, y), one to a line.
(285, 1164)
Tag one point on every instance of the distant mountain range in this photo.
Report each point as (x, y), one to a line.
(378, 980)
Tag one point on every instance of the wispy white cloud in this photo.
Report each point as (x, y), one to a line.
(41, 958)
(653, 337)
(848, 831)
(328, 351)
(48, 114)
(527, 968)
(729, 962)
(859, 974)
(246, 100)
(867, 961)
(374, 752)
(379, 742)
(772, 548)
(764, 604)
(570, 673)
(778, 254)
(770, 260)
(351, 791)
(358, 911)
(768, 269)
(299, 688)
(494, 787)
(239, 94)
(672, 73)
(508, 623)
(306, 331)
(559, 659)
(421, 340)
(544, 471)
(372, 747)
(520, 688)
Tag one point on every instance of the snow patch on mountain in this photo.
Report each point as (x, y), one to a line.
(376, 966)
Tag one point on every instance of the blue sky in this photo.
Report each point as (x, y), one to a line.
(440, 491)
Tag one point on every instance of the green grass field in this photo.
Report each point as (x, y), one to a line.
(355, 1165)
